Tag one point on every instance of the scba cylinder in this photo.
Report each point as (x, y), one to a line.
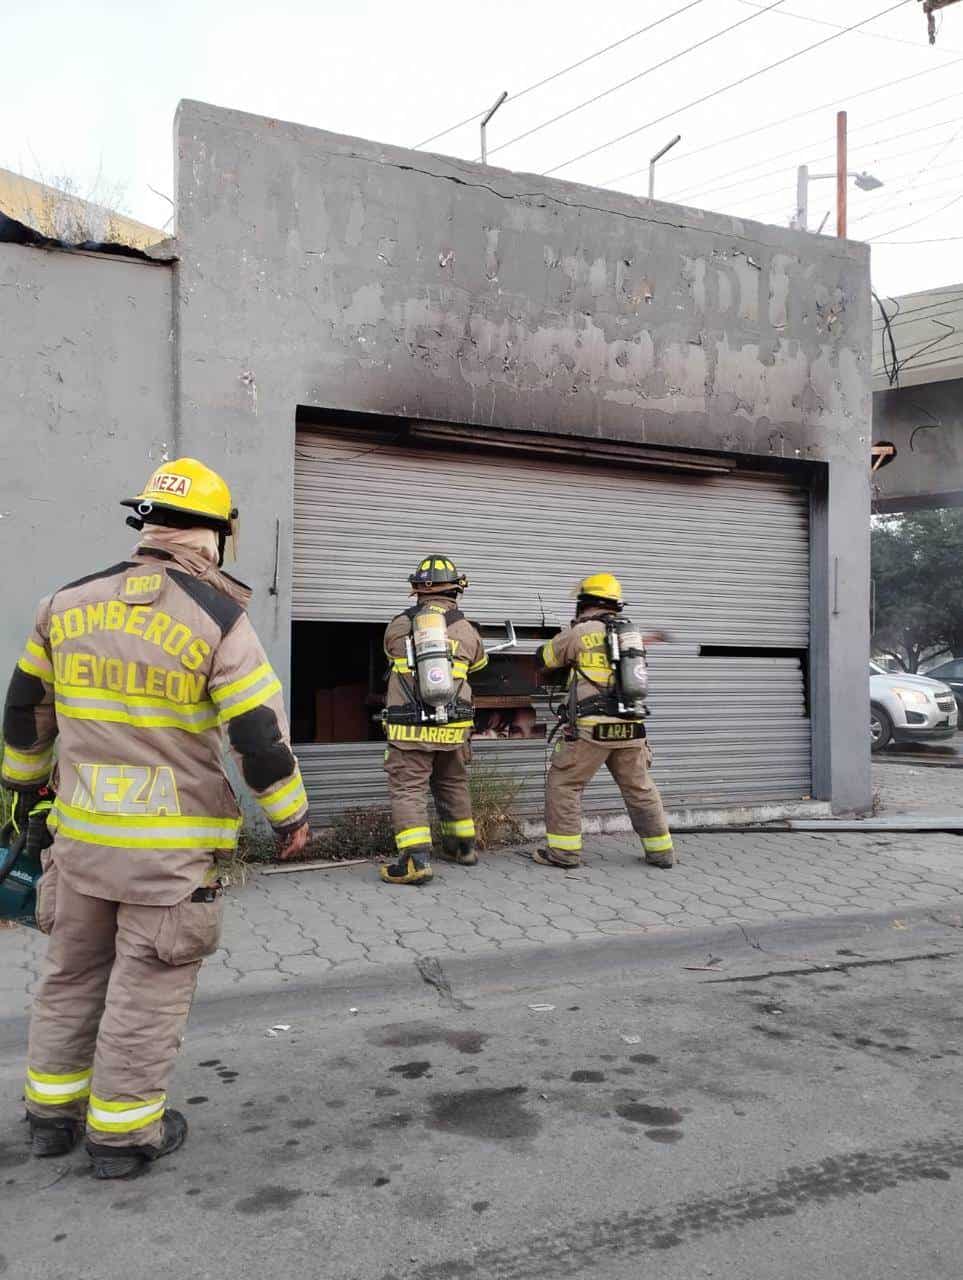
(436, 682)
(629, 657)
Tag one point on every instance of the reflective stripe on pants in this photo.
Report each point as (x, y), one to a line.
(412, 774)
(114, 997)
(575, 764)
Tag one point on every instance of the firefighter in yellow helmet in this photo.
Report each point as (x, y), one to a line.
(137, 672)
(432, 650)
(603, 724)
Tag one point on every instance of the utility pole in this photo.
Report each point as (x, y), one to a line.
(841, 174)
(484, 124)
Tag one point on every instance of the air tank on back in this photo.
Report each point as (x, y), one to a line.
(436, 682)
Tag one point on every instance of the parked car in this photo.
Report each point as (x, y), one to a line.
(951, 673)
(905, 708)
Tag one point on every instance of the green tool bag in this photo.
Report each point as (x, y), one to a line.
(20, 872)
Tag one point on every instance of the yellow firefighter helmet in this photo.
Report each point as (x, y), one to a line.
(601, 586)
(190, 488)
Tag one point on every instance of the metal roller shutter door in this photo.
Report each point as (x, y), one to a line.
(714, 559)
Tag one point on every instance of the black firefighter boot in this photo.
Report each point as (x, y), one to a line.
(54, 1137)
(411, 868)
(460, 850)
(130, 1162)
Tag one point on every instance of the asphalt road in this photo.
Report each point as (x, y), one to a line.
(771, 1119)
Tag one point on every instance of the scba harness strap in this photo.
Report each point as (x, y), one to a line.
(413, 713)
(451, 615)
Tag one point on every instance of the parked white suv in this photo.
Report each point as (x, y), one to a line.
(905, 708)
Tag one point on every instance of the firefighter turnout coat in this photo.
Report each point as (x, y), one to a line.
(136, 671)
(582, 648)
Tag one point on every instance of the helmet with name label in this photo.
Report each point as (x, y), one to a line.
(437, 574)
(188, 488)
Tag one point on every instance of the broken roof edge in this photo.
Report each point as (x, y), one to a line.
(14, 232)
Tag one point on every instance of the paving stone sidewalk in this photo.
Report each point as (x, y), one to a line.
(311, 924)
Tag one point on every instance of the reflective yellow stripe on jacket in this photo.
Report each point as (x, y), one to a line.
(143, 831)
(247, 693)
(34, 662)
(284, 800)
(21, 767)
(79, 703)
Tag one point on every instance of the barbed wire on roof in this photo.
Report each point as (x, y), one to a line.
(640, 75)
(556, 75)
(727, 88)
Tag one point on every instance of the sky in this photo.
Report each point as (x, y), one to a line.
(89, 92)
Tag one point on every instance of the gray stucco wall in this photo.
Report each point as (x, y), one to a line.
(332, 272)
(925, 422)
(85, 412)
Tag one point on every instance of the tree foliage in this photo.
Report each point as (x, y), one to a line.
(918, 578)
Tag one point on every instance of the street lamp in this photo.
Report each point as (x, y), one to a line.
(865, 182)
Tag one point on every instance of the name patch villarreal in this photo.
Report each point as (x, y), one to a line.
(425, 733)
(618, 732)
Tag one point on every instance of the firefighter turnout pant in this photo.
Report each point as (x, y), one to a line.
(109, 1017)
(411, 773)
(574, 764)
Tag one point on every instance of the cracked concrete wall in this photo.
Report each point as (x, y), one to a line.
(925, 422)
(86, 410)
(337, 273)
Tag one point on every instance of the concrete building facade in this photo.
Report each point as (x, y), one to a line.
(329, 289)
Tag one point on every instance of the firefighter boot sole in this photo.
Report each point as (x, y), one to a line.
(663, 860)
(552, 858)
(463, 854)
(131, 1162)
(408, 872)
(53, 1137)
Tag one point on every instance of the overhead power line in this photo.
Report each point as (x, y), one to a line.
(933, 213)
(899, 206)
(735, 84)
(751, 202)
(913, 184)
(869, 35)
(707, 185)
(798, 115)
(656, 66)
(936, 240)
(687, 194)
(944, 300)
(565, 70)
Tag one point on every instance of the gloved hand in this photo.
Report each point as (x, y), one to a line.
(26, 801)
(293, 843)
